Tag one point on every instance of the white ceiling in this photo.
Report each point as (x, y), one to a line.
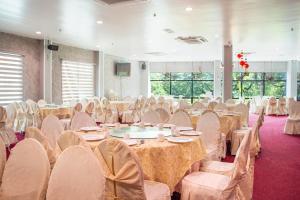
(260, 26)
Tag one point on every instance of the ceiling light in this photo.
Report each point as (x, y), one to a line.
(216, 36)
(99, 22)
(98, 46)
(188, 9)
(38, 32)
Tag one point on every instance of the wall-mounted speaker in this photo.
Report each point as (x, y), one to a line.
(144, 66)
(52, 47)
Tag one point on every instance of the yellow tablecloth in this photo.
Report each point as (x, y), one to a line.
(229, 123)
(60, 112)
(121, 105)
(167, 162)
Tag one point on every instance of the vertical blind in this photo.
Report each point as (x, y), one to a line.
(77, 80)
(11, 78)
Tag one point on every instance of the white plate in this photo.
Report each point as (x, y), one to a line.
(179, 139)
(183, 128)
(108, 125)
(130, 142)
(168, 125)
(190, 133)
(90, 128)
(92, 137)
(138, 124)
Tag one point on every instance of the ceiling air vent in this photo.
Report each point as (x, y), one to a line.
(192, 39)
(114, 2)
(156, 53)
(168, 30)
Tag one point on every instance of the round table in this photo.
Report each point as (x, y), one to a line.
(166, 162)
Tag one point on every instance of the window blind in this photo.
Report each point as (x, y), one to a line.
(77, 81)
(11, 78)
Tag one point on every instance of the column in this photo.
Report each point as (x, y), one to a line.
(47, 72)
(291, 78)
(145, 86)
(100, 75)
(218, 78)
(228, 68)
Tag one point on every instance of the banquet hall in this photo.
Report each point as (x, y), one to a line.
(149, 99)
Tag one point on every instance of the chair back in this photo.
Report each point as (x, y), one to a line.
(26, 172)
(6, 133)
(81, 119)
(212, 105)
(151, 116)
(220, 107)
(52, 128)
(243, 110)
(77, 175)
(164, 115)
(89, 109)
(209, 124)
(294, 110)
(42, 103)
(70, 138)
(198, 106)
(184, 105)
(124, 176)
(2, 158)
(181, 118)
(35, 133)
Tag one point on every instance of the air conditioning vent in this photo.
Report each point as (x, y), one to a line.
(168, 30)
(115, 2)
(192, 39)
(156, 53)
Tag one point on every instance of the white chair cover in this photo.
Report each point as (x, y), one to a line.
(26, 172)
(81, 119)
(209, 124)
(184, 105)
(181, 118)
(52, 128)
(164, 115)
(281, 106)
(34, 113)
(243, 110)
(210, 186)
(76, 175)
(151, 116)
(211, 105)
(42, 103)
(124, 176)
(89, 109)
(292, 125)
(70, 138)
(111, 114)
(220, 107)
(35, 133)
(6, 134)
(271, 108)
(18, 115)
(2, 158)
(198, 106)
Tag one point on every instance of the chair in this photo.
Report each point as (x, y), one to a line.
(281, 106)
(198, 106)
(164, 115)
(81, 119)
(70, 138)
(271, 108)
(52, 128)
(181, 118)
(99, 114)
(230, 101)
(218, 99)
(209, 124)
(2, 158)
(204, 185)
(26, 172)
(66, 122)
(124, 176)
(184, 105)
(220, 107)
(34, 112)
(89, 109)
(76, 175)
(111, 114)
(211, 105)
(151, 116)
(292, 124)
(35, 133)
(6, 133)
(42, 103)
(243, 110)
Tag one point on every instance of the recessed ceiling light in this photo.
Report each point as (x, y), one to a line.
(188, 9)
(98, 46)
(38, 32)
(99, 22)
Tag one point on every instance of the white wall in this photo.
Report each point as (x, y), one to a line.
(123, 86)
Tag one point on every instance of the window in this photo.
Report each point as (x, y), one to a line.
(298, 86)
(77, 81)
(186, 84)
(258, 84)
(11, 78)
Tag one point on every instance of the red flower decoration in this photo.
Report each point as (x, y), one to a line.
(239, 55)
(246, 65)
(242, 63)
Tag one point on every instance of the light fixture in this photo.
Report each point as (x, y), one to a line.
(99, 22)
(216, 36)
(38, 32)
(98, 46)
(188, 9)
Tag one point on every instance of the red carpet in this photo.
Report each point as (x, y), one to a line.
(277, 170)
